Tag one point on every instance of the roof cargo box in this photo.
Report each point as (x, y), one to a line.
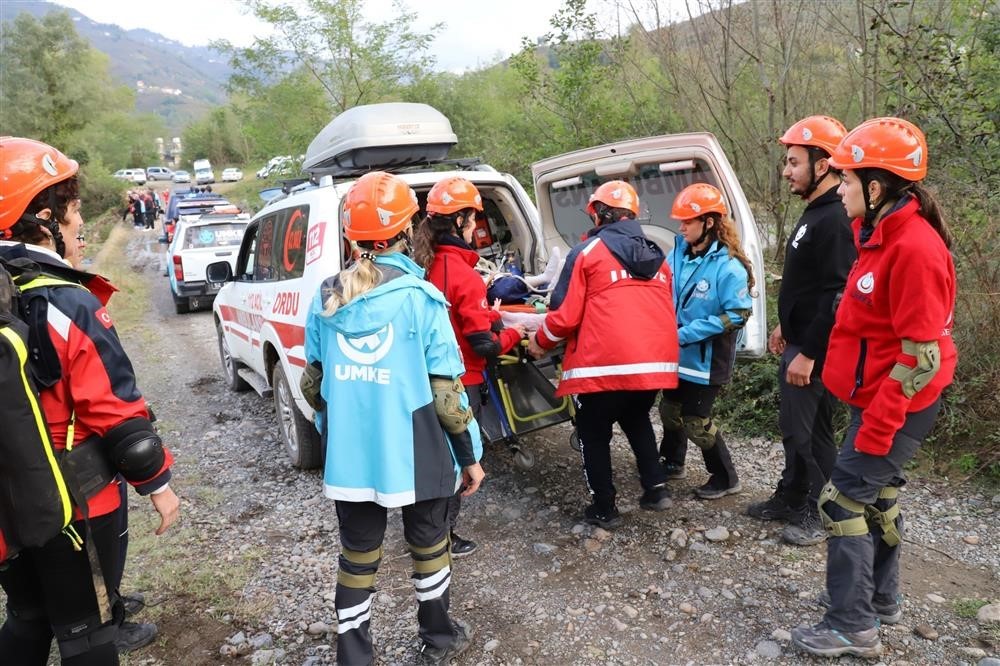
(380, 136)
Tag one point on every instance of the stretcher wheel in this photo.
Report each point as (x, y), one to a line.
(574, 441)
(524, 459)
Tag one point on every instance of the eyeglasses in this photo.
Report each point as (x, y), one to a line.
(80, 237)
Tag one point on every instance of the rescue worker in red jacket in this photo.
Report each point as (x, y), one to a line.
(617, 320)
(891, 354)
(92, 405)
(443, 246)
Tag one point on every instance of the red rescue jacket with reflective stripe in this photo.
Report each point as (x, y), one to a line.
(97, 388)
(620, 331)
(902, 287)
(452, 272)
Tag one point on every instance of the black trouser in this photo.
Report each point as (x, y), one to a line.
(863, 569)
(696, 401)
(362, 529)
(476, 398)
(50, 591)
(596, 413)
(806, 422)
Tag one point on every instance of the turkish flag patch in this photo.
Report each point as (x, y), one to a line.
(104, 318)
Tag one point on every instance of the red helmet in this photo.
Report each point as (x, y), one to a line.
(378, 207)
(452, 195)
(893, 144)
(26, 168)
(697, 200)
(818, 131)
(617, 194)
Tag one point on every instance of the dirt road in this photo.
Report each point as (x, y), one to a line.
(248, 575)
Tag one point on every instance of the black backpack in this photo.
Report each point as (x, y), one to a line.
(35, 504)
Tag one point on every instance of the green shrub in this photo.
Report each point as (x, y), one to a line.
(99, 190)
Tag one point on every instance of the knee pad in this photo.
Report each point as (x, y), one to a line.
(670, 415)
(357, 569)
(429, 560)
(701, 431)
(841, 515)
(884, 514)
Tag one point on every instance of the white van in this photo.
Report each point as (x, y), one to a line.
(203, 174)
(295, 242)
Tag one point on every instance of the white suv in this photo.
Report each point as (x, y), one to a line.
(295, 242)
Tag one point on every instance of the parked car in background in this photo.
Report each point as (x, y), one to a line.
(121, 174)
(203, 174)
(158, 173)
(198, 242)
(232, 174)
(182, 177)
(137, 176)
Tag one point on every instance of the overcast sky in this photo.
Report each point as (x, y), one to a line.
(477, 32)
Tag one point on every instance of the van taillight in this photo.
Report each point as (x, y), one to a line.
(178, 268)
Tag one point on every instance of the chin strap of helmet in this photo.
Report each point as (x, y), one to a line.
(814, 156)
(704, 230)
(52, 224)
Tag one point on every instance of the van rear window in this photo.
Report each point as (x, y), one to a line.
(214, 235)
(656, 187)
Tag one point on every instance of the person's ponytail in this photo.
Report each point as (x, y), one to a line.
(930, 209)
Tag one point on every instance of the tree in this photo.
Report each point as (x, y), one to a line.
(354, 61)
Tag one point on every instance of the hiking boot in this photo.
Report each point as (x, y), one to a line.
(461, 547)
(134, 635)
(432, 656)
(715, 489)
(805, 528)
(887, 613)
(674, 471)
(656, 498)
(606, 517)
(825, 641)
(133, 603)
(773, 508)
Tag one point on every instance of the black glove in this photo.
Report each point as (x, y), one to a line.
(312, 378)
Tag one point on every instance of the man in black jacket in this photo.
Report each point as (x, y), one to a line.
(818, 257)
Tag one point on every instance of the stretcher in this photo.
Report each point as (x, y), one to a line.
(522, 399)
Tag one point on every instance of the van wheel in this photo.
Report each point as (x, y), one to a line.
(229, 367)
(302, 442)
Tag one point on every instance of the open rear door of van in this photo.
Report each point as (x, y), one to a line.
(659, 168)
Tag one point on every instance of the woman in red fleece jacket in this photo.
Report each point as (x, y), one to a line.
(442, 246)
(890, 355)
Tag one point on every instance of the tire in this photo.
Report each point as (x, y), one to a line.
(524, 459)
(230, 366)
(298, 434)
(182, 306)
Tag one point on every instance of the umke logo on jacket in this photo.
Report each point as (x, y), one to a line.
(366, 351)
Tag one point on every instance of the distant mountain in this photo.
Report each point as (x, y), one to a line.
(178, 83)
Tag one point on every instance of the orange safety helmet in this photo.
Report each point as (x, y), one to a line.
(452, 195)
(617, 194)
(818, 131)
(697, 200)
(378, 207)
(27, 167)
(893, 144)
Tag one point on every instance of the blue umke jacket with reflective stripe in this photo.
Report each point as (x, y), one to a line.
(706, 287)
(384, 443)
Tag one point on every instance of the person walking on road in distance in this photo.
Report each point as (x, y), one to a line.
(818, 255)
(617, 320)
(378, 334)
(891, 354)
(442, 245)
(99, 424)
(712, 280)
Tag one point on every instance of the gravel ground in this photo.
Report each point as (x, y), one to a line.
(700, 583)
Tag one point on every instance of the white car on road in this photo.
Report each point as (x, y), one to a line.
(232, 174)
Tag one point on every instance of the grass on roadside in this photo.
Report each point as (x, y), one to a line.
(967, 608)
(129, 306)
